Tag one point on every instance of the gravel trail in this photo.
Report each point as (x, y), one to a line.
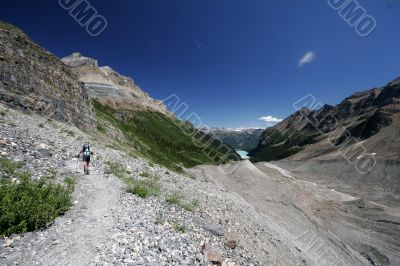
(74, 237)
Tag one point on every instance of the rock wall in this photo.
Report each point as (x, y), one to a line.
(34, 80)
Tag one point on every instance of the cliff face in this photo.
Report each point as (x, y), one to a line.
(319, 134)
(34, 80)
(109, 87)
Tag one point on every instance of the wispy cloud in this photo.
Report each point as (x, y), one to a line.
(199, 44)
(307, 58)
(270, 120)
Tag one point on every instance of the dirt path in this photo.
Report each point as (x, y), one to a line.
(73, 239)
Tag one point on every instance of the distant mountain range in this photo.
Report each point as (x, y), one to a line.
(366, 120)
(239, 138)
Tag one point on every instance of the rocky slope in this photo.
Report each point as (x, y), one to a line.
(109, 87)
(319, 222)
(322, 133)
(241, 139)
(34, 80)
(108, 225)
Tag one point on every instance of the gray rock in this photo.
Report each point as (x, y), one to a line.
(214, 229)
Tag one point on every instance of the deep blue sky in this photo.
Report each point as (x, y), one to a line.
(231, 61)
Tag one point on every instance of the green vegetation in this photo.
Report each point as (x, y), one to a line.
(145, 174)
(276, 146)
(163, 139)
(70, 182)
(101, 128)
(174, 199)
(3, 113)
(115, 169)
(27, 205)
(41, 125)
(179, 227)
(143, 188)
(9, 166)
(178, 200)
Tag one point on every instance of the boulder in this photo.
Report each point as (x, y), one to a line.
(214, 229)
(213, 255)
(9, 243)
(231, 240)
(42, 146)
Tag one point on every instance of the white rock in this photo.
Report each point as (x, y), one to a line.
(9, 243)
(42, 146)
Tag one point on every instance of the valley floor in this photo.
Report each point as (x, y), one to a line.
(325, 226)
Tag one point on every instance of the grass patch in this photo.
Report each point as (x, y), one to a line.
(179, 227)
(3, 113)
(144, 188)
(174, 199)
(115, 169)
(141, 187)
(53, 173)
(178, 200)
(145, 174)
(70, 183)
(9, 166)
(101, 128)
(28, 205)
(190, 206)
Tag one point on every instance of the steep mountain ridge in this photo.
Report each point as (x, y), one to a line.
(319, 134)
(109, 87)
(34, 80)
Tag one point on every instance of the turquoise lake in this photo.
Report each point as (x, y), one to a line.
(243, 154)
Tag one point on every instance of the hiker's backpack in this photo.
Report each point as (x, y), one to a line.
(86, 150)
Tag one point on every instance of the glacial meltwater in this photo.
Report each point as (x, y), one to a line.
(243, 154)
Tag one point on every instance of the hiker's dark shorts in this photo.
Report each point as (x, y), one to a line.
(86, 159)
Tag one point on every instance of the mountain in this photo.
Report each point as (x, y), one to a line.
(34, 80)
(76, 90)
(240, 139)
(109, 87)
(324, 133)
(140, 124)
